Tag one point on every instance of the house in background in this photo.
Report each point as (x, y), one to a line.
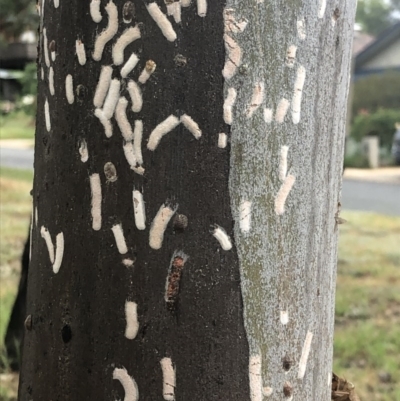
(380, 55)
(13, 59)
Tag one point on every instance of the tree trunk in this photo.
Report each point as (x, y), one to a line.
(187, 180)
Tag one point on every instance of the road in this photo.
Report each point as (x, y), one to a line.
(16, 158)
(356, 195)
(371, 197)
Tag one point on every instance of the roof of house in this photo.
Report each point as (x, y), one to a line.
(385, 39)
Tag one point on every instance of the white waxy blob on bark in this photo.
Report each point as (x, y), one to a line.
(297, 94)
(102, 86)
(304, 355)
(256, 99)
(283, 163)
(69, 89)
(268, 113)
(201, 8)
(301, 29)
(83, 151)
(95, 11)
(284, 317)
(51, 81)
(233, 59)
(128, 383)
(122, 120)
(162, 21)
(59, 252)
(129, 65)
(283, 194)
(228, 105)
(139, 210)
(132, 324)
(129, 153)
(222, 140)
(147, 71)
(245, 216)
(223, 238)
(44, 232)
(112, 98)
(169, 380)
(281, 110)
(267, 391)
(159, 225)
(128, 36)
(47, 115)
(162, 129)
(119, 238)
(105, 122)
(136, 96)
(191, 125)
(255, 378)
(105, 36)
(231, 25)
(137, 141)
(321, 8)
(46, 48)
(128, 262)
(95, 187)
(80, 51)
(174, 9)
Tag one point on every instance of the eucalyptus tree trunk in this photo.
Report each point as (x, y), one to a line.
(187, 177)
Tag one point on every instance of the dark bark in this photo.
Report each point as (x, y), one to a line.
(203, 333)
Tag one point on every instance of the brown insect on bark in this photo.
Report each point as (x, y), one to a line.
(174, 278)
(343, 390)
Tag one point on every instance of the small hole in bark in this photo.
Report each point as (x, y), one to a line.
(318, 292)
(180, 222)
(128, 12)
(180, 60)
(144, 330)
(81, 92)
(287, 389)
(286, 363)
(66, 333)
(336, 14)
(243, 69)
(337, 41)
(110, 172)
(52, 46)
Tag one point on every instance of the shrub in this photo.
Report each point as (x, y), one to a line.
(381, 123)
(29, 88)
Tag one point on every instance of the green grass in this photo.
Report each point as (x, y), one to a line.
(15, 209)
(17, 125)
(367, 333)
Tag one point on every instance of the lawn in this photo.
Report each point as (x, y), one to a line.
(15, 209)
(17, 125)
(367, 335)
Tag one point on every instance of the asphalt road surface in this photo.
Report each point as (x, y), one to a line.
(371, 197)
(16, 158)
(356, 195)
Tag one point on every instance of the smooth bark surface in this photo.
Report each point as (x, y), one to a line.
(215, 285)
